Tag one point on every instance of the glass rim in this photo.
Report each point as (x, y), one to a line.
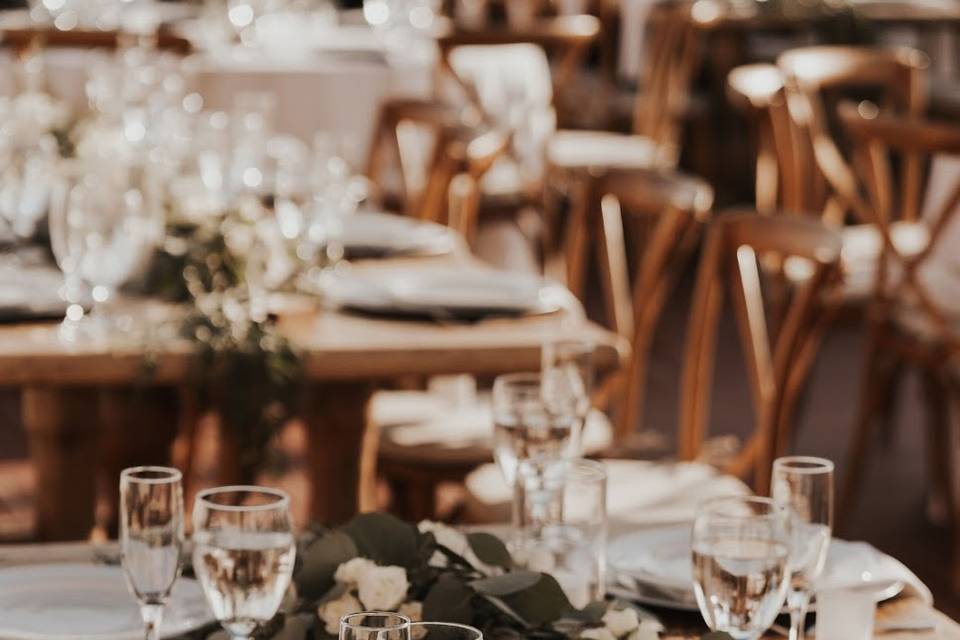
(172, 474)
(587, 469)
(404, 620)
(707, 507)
(807, 465)
(524, 377)
(449, 625)
(282, 498)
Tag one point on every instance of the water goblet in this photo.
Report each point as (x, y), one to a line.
(375, 625)
(567, 369)
(740, 564)
(804, 486)
(244, 552)
(151, 537)
(444, 631)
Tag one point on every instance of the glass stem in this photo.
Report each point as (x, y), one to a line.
(798, 601)
(152, 614)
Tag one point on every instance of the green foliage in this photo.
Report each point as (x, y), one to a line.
(385, 539)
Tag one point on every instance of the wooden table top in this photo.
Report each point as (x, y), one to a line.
(336, 346)
(904, 609)
(716, 15)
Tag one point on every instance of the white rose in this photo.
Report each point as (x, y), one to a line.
(621, 622)
(540, 559)
(446, 536)
(648, 630)
(351, 571)
(331, 611)
(598, 633)
(383, 588)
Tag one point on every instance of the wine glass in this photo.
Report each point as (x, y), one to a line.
(567, 367)
(375, 625)
(740, 569)
(444, 631)
(66, 241)
(151, 537)
(244, 551)
(804, 486)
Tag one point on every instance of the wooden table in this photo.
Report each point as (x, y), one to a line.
(682, 627)
(86, 404)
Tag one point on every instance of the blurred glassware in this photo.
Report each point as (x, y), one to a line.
(804, 487)
(375, 625)
(740, 564)
(151, 538)
(66, 241)
(444, 631)
(567, 370)
(251, 125)
(404, 26)
(244, 552)
(565, 525)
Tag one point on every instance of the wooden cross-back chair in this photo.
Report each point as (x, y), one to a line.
(915, 316)
(443, 185)
(670, 208)
(816, 79)
(778, 358)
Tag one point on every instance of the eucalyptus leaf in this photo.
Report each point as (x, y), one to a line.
(504, 608)
(507, 584)
(384, 538)
(541, 603)
(490, 549)
(592, 613)
(449, 600)
(320, 562)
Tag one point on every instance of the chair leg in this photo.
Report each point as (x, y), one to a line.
(947, 448)
(413, 499)
(938, 447)
(872, 402)
(888, 415)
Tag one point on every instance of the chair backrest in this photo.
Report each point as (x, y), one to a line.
(438, 185)
(777, 358)
(893, 157)
(757, 90)
(817, 79)
(670, 208)
(671, 58)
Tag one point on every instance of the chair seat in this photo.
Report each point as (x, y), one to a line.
(421, 428)
(639, 493)
(603, 149)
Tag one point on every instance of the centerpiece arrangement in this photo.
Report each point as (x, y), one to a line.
(433, 572)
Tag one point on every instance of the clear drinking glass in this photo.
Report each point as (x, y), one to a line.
(804, 486)
(375, 625)
(740, 564)
(567, 369)
(444, 631)
(151, 537)
(565, 525)
(244, 552)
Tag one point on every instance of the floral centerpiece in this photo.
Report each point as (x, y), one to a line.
(432, 572)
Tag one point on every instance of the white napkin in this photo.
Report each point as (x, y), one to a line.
(859, 565)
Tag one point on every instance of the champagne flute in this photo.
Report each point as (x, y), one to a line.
(804, 486)
(375, 625)
(740, 570)
(151, 537)
(244, 551)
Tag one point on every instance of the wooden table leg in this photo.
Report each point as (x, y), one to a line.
(343, 451)
(62, 429)
(138, 426)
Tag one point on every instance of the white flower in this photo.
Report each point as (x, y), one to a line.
(648, 630)
(383, 588)
(598, 633)
(351, 571)
(541, 559)
(621, 622)
(331, 611)
(446, 536)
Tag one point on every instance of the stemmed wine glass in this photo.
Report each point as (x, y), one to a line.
(528, 425)
(740, 568)
(375, 625)
(567, 370)
(804, 486)
(444, 631)
(244, 551)
(151, 537)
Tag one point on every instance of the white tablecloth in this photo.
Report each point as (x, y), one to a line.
(326, 91)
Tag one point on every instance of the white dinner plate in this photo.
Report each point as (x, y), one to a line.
(375, 234)
(653, 566)
(456, 294)
(83, 601)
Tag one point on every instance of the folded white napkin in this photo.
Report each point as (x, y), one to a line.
(859, 565)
